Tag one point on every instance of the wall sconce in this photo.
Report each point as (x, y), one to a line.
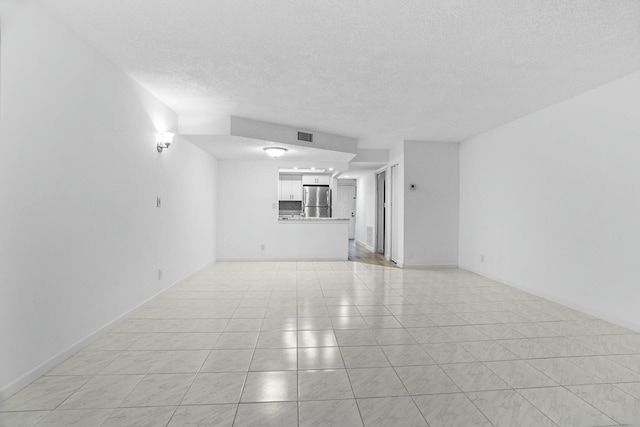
(275, 152)
(166, 138)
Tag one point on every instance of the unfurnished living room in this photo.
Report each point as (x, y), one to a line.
(319, 213)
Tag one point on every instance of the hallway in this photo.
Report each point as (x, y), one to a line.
(358, 253)
(342, 343)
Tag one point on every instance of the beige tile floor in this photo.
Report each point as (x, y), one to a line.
(343, 344)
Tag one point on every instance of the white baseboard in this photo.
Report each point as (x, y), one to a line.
(367, 247)
(429, 266)
(303, 259)
(24, 380)
(562, 301)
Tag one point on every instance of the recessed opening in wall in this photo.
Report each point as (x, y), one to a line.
(304, 193)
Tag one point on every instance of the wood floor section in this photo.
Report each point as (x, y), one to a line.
(358, 253)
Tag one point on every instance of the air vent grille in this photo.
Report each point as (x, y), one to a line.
(305, 136)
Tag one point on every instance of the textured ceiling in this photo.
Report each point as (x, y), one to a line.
(378, 70)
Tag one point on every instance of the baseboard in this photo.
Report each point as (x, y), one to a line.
(367, 247)
(24, 380)
(561, 300)
(299, 259)
(429, 266)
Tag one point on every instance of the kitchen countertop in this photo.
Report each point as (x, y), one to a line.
(303, 219)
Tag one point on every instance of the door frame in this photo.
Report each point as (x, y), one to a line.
(393, 213)
(381, 226)
(354, 205)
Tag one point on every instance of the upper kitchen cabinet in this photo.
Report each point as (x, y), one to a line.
(316, 179)
(290, 187)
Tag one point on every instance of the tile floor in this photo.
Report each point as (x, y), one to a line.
(343, 344)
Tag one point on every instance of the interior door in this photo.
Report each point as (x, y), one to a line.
(344, 206)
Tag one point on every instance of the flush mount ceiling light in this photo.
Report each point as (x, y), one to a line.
(275, 152)
(165, 140)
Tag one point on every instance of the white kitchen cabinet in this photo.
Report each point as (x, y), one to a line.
(316, 179)
(290, 187)
(296, 189)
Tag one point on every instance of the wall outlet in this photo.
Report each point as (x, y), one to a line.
(158, 202)
(160, 274)
(262, 246)
(482, 258)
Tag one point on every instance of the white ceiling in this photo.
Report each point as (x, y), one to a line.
(379, 70)
(358, 170)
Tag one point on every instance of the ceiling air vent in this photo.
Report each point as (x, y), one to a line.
(305, 136)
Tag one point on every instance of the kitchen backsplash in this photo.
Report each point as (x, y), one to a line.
(290, 205)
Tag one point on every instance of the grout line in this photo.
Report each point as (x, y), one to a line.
(364, 287)
(351, 384)
(297, 357)
(244, 382)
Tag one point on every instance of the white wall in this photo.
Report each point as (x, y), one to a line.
(552, 201)
(247, 217)
(431, 210)
(81, 239)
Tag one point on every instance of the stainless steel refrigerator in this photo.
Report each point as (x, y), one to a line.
(316, 201)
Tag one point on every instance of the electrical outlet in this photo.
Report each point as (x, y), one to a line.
(160, 274)
(158, 201)
(262, 247)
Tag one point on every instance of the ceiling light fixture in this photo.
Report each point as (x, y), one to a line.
(275, 152)
(165, 140)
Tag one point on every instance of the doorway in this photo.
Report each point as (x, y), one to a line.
(359, 253)
(380, 211)
(344, 205)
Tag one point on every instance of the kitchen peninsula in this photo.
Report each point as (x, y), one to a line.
(306, 225)
(315, 238)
